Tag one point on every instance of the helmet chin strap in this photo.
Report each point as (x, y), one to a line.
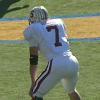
(29, 21)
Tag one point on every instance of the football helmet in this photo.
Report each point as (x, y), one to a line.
(38, 14)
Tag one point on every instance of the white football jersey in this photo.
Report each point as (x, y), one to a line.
(49, 38)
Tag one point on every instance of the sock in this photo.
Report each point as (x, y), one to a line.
(38, 98)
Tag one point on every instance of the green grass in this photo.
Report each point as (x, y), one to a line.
(15, 79)
(59, 7)
(14, 65)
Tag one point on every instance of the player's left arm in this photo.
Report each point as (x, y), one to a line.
(33, 62)
(33, 66)
(33, 55)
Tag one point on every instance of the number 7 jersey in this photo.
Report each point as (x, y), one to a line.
(49, 38)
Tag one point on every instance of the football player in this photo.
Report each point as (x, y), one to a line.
(48, 36)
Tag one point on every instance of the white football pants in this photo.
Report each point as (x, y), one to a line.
(62, 68)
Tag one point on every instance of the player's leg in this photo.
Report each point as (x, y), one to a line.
(74, 95)
(72, 92)
(70, 80)
(69, 86)
(46, 81)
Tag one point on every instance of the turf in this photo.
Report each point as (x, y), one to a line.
(21, 8)
(14, 66)
(15, 80)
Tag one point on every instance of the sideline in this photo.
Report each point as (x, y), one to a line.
(70, 40)
(69, 16)
(65, 16)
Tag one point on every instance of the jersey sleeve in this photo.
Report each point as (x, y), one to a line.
(65, 29)
(29, 35)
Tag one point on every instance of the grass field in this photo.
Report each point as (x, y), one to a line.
(21, 8)
(15, 80)
(14, 65)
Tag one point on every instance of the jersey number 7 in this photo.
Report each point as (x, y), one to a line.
(50, 28)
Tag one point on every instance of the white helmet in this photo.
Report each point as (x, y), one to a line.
(38, 14)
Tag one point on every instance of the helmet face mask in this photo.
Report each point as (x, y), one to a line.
(38, 14)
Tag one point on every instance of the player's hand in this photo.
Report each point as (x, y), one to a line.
(31, 90)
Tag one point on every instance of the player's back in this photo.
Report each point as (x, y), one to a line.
(51, 38)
